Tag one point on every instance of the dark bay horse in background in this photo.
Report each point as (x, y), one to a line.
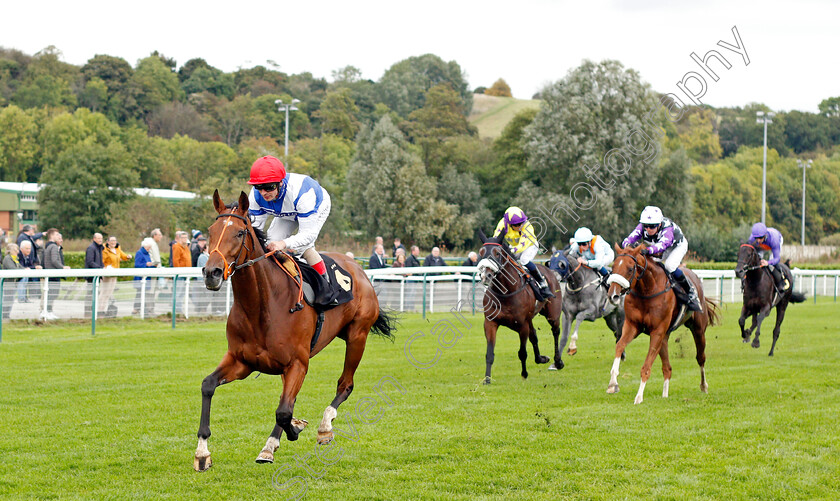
(585, 299)
(651, 307)
(509, 301)
(759, 293)
(267, 333)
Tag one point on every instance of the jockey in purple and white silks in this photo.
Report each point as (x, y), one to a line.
(666, 244)
(592, 250)
(770, 240)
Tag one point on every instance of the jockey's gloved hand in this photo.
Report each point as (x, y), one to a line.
(644, 252)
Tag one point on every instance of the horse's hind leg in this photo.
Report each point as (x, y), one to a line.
(228, 370)
(666, 367)
(352, 356)
(780, 315)
(532, 336)
(698, 330)
(558, 347)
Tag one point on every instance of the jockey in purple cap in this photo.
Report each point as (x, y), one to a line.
(519, 235)
(770, 239)
(667, 244)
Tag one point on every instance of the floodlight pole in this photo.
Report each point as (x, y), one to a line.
(286, 108)
(764, 118)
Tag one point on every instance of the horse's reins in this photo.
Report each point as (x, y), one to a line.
(231, 268)
(516, 265)
(751, 268)
(634, 277)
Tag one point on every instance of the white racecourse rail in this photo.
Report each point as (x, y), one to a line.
(423, 289)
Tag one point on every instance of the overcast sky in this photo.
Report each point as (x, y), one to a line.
(792, 46)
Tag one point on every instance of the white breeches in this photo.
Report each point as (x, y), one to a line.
(527, 255)
(672, 257)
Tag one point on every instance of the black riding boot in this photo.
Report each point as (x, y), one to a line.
(782, 284)
(688, 287)
(543, 285)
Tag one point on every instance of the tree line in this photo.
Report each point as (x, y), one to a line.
(398, 155)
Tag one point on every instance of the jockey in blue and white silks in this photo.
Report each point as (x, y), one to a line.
(296, 201)
(667, 244)
(593, 251)
(770, 240)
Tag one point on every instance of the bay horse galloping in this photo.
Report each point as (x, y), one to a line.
(509, 301)
(651, 307)
(759, 293)
(268, 332)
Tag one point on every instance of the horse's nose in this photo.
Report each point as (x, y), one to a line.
(614, 298)
(212, 278)
(739, 273)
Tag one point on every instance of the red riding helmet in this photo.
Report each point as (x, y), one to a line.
(267, 170)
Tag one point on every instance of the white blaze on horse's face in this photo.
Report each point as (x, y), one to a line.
(621, 282)
(488, 269)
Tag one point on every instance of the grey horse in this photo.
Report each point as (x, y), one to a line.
(584, 299)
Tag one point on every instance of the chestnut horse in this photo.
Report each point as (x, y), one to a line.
(268, 333)
(759, 291)
(652, 308)
(510, 301)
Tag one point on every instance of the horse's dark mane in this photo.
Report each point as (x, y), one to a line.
(261, 236)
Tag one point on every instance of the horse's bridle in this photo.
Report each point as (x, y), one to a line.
(230, 268)
(754, 253)
(636, 266)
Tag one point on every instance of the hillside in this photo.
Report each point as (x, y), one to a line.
(490, 113)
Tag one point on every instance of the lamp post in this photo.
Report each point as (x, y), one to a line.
(287, 107)
(761, 117)
(804, 165)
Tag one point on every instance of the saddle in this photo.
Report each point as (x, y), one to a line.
(319, 293)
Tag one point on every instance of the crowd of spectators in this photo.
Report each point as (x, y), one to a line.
(35, 250)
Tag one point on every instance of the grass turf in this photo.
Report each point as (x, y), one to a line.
(114, 417)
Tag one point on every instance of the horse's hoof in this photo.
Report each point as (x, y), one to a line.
(299, 424)
(524, 374)
(638, 400)
(704, 387)
(613, 388)
(572, 351)
(324, 437)
(202, 463)
(543, 360)
(556, 367)
(266, 456)
(486, 380)
(756, 343)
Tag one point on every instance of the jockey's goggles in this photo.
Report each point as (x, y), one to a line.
(648, 226)
(266, 186)
(582, 244)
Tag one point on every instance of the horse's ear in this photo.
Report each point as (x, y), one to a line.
(617, 248)
(217, 202)
(481, 235)
(243, 202)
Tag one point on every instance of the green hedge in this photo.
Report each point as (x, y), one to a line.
(77, 260)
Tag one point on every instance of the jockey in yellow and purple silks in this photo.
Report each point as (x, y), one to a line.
(519, 235)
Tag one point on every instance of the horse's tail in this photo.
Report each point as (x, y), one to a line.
(713, 310)
(385, 324)
(797, 297)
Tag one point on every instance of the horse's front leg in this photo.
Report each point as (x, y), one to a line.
(228, 370)
(558, 348)
(523, 349)
(292, 381)
(628, 333)
(578, 320)
(666, 368)
(765, 311)
(490, 329)
(658, 338)
(745, 334)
